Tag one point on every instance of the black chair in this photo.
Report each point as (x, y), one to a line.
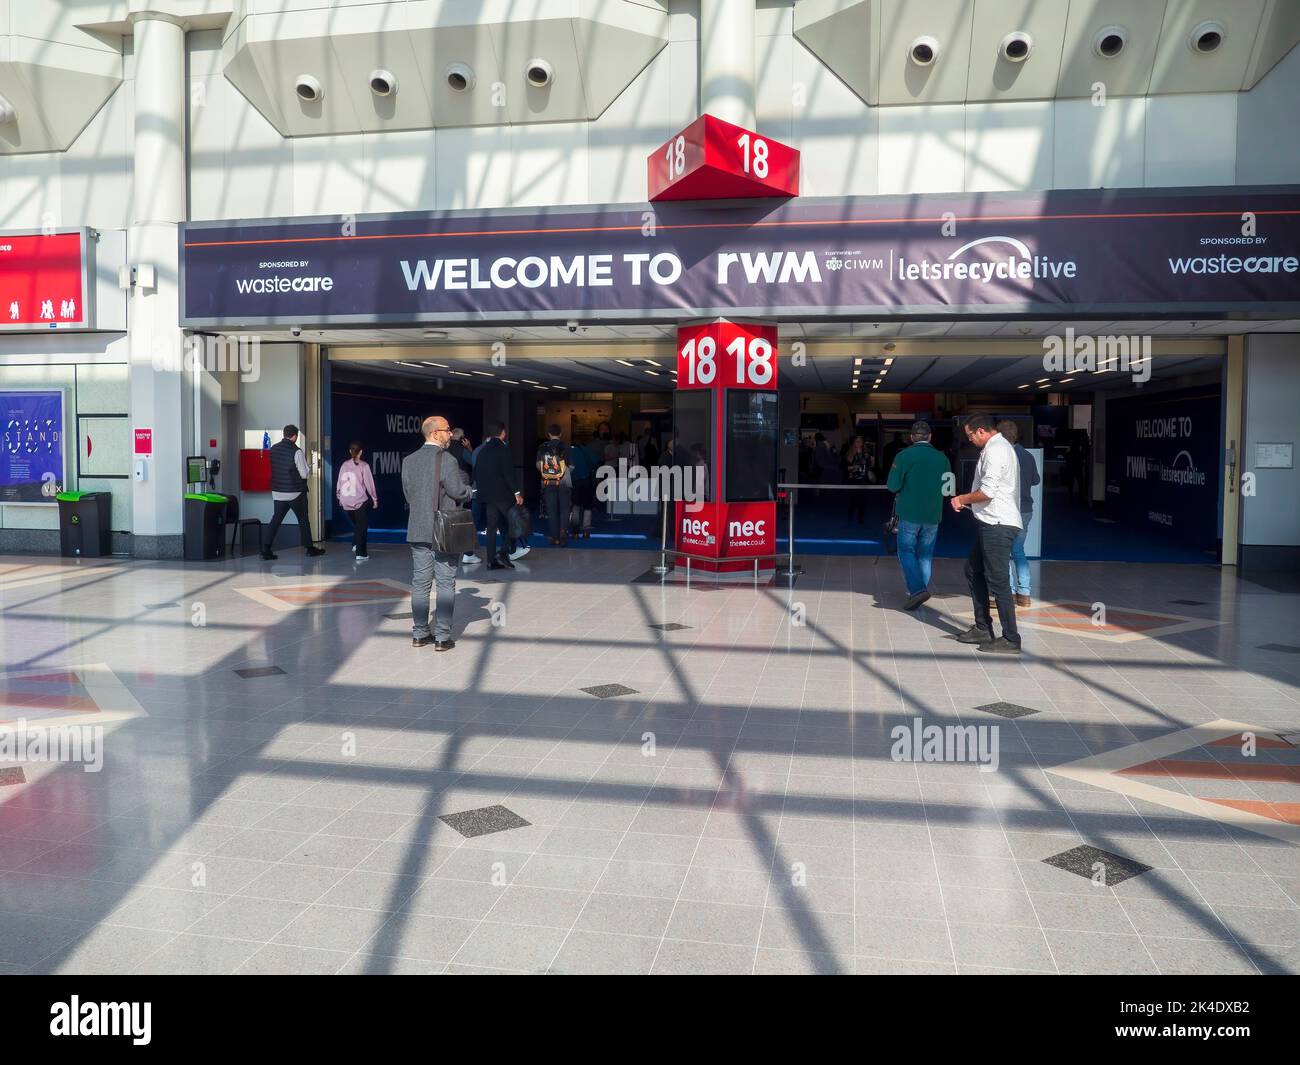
(240, 526)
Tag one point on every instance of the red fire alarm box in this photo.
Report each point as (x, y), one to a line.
(254, 470)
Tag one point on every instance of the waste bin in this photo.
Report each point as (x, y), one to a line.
(205, 515)
(84, 519)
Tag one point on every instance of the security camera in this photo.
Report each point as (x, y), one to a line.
(296, 331)
(573, 326)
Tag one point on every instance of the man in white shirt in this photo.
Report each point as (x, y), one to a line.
(994, 499)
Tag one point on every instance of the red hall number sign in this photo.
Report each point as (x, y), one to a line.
(725, 354)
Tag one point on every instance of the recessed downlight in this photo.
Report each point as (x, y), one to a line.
(1016, 47)
(539, 73)
(1207, 36)
(460, 77)
(308, 88)
(923, 51)
(1109, 41)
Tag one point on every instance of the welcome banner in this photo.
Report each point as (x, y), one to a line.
(1085, 252)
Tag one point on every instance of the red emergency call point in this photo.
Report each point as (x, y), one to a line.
(713, 160)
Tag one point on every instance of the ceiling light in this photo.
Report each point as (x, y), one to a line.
(483, 373)
(1022, 386)
(889, 362)
(652, 373)
(461, 373)
(857, 362)
(440, 365)
(560, 388)
(539, 73)
(412, 365)
(651, 362)
(507, 381)
(624, 362)
(541, 388)
(1043, 381)
(528, 382)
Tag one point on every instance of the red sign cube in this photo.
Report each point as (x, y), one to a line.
(713, 160)
(726, 354)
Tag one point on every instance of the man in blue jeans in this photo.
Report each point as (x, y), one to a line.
(994, 499)
(917, 478)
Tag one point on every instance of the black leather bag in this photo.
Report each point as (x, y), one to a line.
(453, 532)
(891, 526)
(520, 522)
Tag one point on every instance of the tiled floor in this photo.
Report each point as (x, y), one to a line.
(741, 809)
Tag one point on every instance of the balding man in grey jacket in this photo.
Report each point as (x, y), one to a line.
(422, 472)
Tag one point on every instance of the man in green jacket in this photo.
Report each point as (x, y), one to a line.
(918, 477)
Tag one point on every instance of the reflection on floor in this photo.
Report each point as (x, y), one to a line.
(246, 767)
(1071, 531)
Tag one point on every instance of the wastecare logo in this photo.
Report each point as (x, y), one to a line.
(1017, 264)
(279, 283)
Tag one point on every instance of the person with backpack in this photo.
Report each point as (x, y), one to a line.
(557, 484)
(357, 496)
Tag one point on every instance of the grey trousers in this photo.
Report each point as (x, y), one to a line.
(429, 566)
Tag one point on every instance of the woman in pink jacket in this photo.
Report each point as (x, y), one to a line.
(356, 494)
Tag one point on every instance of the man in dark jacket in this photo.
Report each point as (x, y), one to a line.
(497, 490)
(289, 493)
(428, 475)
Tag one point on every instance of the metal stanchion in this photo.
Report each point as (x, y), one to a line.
(662, 568)
(789, 504)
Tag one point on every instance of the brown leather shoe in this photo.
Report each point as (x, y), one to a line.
(1023, 600)
(419, 641)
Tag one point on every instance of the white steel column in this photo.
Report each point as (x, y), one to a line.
(727, 60)
(159, 386)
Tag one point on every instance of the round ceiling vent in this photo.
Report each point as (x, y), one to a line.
(1109, 41)
(923, 51)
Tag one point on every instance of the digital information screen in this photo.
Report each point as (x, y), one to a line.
(751, 446)
(692, 436)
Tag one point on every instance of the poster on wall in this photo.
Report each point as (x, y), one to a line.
(32, 462)
(386, 423)
(44, 281)
(1162, 464)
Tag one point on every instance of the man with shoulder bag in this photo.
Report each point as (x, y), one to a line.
(439, 531)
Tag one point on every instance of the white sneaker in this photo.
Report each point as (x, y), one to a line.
(363, 558)
(469, 558)
(519, 552)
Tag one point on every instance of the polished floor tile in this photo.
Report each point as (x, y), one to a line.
(626, 778)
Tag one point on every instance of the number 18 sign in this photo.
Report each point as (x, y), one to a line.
(726, 354)
(714, 160)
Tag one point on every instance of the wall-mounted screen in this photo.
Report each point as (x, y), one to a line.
(751, 446)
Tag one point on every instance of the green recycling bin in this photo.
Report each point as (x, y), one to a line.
(84, 524)
(205, 516)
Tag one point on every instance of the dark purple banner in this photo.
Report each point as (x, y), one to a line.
(1086, 252)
